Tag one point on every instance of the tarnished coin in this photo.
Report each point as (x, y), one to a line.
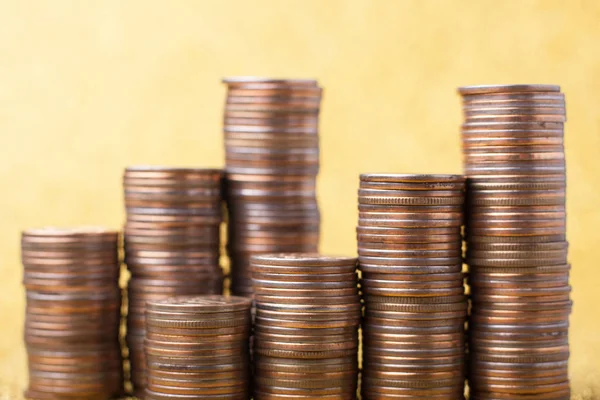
(299, 330)
(507, 89)
(72, 316)
(201, 304)
(272, 159)
(197, 346)
(171, 243)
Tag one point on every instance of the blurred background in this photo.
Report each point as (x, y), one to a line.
(88, 88)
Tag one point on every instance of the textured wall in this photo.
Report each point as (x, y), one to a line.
(88, 87)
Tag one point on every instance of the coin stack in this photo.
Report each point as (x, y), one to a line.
(197, 348)
(306, 327)
(271, 129)
(72, 318)
(410, 259)
(516, 241)
(171, 243)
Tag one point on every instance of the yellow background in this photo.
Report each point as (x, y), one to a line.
(88, 87)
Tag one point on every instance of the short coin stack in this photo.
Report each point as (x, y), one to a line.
(410, 258)
(171, 242)
(197, 348)
(73, 313)
(271, 129)
(516, 241)
(306, 327)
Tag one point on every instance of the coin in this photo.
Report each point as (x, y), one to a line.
(516, 249)
(307, 317)
(72, 316)
(410, 258)
(197, 346)
(171, 242)
(272, 159)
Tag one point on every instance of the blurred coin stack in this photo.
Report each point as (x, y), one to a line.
(197, 348)
(171, 243)
(271, 129)
(73, 313)
(306, 327)
(516, 241)
(410, 259)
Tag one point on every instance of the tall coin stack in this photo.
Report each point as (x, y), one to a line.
(197, 348)
(171, 243)
(306, 327)
(516, 241)
(410, 258)
(73, 313)
(271, 129)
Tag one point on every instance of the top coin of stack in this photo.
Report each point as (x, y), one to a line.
(516, 240)
(197, 348)
(409, 253)
(172, 244)
(306, 326)
(272, 159)
(73, 313)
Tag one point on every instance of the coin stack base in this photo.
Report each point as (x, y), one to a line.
(409, 253)
(306, 326)
(73, 313)
(516, 241)
(272, 160)
(197, 348)
(172, 243)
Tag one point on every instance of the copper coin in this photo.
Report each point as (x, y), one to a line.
(380, 199)
(302, 340)
(273, 121)
(525, 239)
(413, 338)
(418, 285)
(300, 278)
(507, 246)
(391, 322)
(201, 304)
(500, 126)
(302, 260)
(442, 299)
(523, 304)
(262, 342)
(498, 370)
(423, 210)
(315, 392)
(339, 365)
(290, 323)
(283, 300)
(216, 321)
(303, 315)
(151, 395)
(292, 332)
(261, 395)
(410, 254)
(260, 284)
(479, 142)
(385, 192)
(439, 365)
(408, 223)
(313, 309)
(409, 232)
(74, 235)
(487, 170)
(316, 376)
(416, 315)
(409, 246)
(501, 98)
